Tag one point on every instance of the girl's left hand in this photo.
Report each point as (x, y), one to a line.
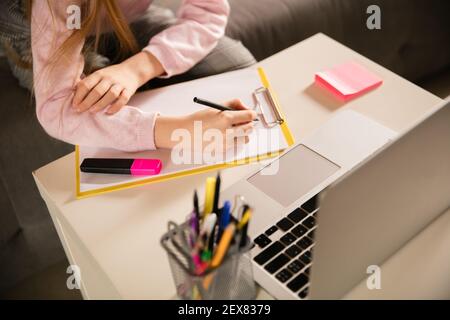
(113, 86)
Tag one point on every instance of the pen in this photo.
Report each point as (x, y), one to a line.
(215, 105)
(243, 226)
(224, 218)
(216, 194)
(193, 223)
(212, 104)
(197, 260)
(245, 217)
(216, 210)
(211, 240)
(207, 229)
(209, 195)
(223, 245)
(209, 223)
(200, 266)
(196, 212)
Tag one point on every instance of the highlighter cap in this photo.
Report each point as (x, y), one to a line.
(146, 167)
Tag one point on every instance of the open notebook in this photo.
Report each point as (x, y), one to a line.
(271, 134)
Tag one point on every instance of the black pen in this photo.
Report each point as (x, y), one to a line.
(216, 195)
(197, 212)
(244, 230)
(243, 240)
(215, 105)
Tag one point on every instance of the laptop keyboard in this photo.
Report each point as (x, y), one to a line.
(288, 255)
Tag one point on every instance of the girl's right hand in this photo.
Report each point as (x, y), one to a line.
(231, 124)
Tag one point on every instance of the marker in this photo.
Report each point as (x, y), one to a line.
(223, 245)
(209, 195)
(134, 167)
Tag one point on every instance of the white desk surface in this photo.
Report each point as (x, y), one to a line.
(114, 238)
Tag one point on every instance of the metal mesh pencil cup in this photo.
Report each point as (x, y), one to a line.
(232, 280)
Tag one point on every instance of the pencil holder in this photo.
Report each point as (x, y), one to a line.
(231, 280)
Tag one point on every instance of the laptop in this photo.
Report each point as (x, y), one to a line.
(346, 197)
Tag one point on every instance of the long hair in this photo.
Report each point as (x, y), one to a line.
(91, 24)
(92, 12)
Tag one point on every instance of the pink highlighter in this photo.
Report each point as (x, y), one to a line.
(134, 167)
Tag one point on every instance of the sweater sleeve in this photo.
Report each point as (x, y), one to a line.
(200, 24)
(128, 130)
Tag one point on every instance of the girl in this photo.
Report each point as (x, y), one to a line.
(84, 78)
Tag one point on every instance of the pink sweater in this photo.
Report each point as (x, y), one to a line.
(200, 24)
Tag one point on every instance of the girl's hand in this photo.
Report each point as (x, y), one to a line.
(113, 86)
(231, 124)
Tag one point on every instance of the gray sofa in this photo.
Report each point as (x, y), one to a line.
(414, 41)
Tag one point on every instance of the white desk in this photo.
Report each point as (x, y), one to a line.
(114, 238)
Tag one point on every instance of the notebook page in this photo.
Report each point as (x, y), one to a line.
(176, 100)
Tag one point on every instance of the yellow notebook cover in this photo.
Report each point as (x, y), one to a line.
(236, 84)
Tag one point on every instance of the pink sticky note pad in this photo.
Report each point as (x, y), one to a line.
(347, 80)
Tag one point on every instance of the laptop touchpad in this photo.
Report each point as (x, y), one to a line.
(293, 175)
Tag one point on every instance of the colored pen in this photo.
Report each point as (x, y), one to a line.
(225, 217)
(243, 226)
(247, 213)
(209, 196)
(197, 261)
(223, 245)
(196, 254)
(215, 105)
(194, 224)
